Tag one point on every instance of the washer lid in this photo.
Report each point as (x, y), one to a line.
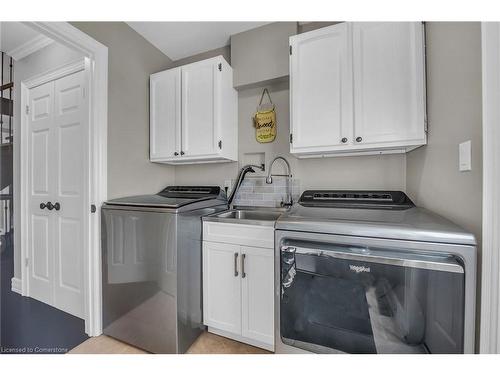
(413, 224)
(174, 197)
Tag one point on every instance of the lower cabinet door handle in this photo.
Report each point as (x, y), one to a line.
(243, 274)
(235, 264)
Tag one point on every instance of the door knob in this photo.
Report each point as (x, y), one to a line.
(50, 206)
(57, 206)
(42, 205)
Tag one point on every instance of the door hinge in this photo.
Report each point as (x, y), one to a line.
(26, 262)
(291, 138)
(220, 67)
(220, 145)
(290, 50)
(27, 109)
(93, 208)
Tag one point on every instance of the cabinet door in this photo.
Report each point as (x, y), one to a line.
(165, 114)
(388, 82)
(200, 103)
(222, 286)
(257, 294)
(321, 89)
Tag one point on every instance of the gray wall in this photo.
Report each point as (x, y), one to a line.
(131, 60)
(454, 114)
(224, 51)
(48, 58)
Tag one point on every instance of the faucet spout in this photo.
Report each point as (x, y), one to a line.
(246, 169)
(269, 179)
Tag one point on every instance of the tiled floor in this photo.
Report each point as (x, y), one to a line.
(207, 343)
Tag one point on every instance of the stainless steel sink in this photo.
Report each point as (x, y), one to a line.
(247, 216)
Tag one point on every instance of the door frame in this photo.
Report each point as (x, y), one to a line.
(96, 67)
(490, 295)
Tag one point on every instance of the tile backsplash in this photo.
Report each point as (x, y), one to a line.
(254, 191)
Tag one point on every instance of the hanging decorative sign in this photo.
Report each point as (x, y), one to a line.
(265, 120)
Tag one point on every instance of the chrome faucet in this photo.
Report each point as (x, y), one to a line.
(246, 169)
(269, 180)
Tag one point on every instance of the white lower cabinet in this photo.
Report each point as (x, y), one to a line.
(221, 287)
(257, 291)
(238, 292)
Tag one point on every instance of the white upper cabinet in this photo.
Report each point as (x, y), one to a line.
(165, 114)
(194, 115)
(200, 96)
(357, 88)
(388, 82)
(321, 89)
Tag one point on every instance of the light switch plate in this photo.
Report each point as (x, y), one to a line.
(464, 156)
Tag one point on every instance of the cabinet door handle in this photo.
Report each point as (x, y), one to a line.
(176, 153)
(235, 264)
(359, 139)
(182, 152)
(50, 206)
(57, 206)
(344, 140)
(243, 274)
(42, 205)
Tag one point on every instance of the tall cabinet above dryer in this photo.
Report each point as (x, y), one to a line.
(194, 114)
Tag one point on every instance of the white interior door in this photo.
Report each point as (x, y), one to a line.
(321, 88)
(41, 181)
(200, 91)
(257, 294)
(58, 143)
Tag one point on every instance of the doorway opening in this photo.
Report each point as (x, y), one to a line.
(52, 124)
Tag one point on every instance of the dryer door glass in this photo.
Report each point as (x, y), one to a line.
(370, 300)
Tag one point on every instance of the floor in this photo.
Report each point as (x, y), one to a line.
(28, 325)
(207, 343)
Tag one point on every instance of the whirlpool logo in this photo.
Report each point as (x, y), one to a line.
(359, 269)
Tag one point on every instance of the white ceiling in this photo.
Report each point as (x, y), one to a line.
(182, 39)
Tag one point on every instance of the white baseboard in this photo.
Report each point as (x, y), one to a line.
(17, 285)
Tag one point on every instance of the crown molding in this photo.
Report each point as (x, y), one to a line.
(29, 47)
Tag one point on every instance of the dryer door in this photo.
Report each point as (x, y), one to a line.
(370, 300)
